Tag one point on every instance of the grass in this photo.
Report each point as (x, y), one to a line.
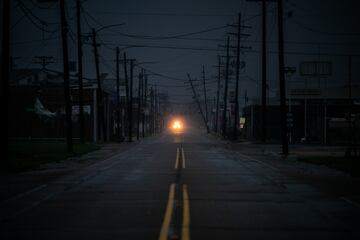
(345, 164)
(28, 156)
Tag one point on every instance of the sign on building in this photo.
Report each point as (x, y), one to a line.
(76, 109)
(315, 68)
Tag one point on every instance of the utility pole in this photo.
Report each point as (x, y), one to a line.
(5, 76)
(236, 100)
(68, 110)
(156, 110)
(127, 91)
(236, 120)
(205, 98)
(218, 95)
(263, 75)
(284, 136)
(118, 108)
(151, 110)
(144, 103)
(80, 74)
(101, 120)
(226, 88)
(131, 99)
(139, 106)
(350, 133)
(158, 118)
(198, 102)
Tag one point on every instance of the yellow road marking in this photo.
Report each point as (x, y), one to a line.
(177, 158)
(164, 232)
(183, 158)
(185, 230)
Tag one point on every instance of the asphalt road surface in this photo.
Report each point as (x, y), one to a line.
(178, 186)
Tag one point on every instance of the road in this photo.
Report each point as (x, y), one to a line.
(178, 186)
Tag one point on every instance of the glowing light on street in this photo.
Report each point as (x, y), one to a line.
(176, 125)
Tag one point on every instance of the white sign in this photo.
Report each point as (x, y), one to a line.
(76, 109)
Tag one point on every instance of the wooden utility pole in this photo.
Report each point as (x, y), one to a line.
(195, 96)
(80, 74)
(156, 110)
(224, 125)
(5, 76)
(151, 110)
(283, 125)
(218, 96)
(205, 98)
(139, 106)
(100, 100)
(144, 103)
(263, 75)
(236, 108)
(68, 109)
(131, 99)
(118, 107)
(127, 93)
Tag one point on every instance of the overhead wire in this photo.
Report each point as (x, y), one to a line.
(51, 5)
(30, 12)
(156, 37)
(34, 23)
(321, 31)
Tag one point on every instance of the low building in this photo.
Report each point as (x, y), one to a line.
(312, 116)
(37, 109)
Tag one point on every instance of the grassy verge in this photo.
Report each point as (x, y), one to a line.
(27, 156)
(348, 165)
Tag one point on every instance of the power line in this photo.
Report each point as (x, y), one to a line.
(43, 8)
(166, 14)
(180, 14)
(323, 32)
(26, 12)
(30, 12)
(110, 68)
(21, 18)
(156, 37)
(162, 75)
(36, 50)
(259, 42)
(165, 47)
(173, 36)
(34, 41)
(243, 50)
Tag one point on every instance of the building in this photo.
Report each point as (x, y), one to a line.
(311, 117)
(37, 109)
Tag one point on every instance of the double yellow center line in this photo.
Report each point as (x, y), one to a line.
(185, 226)
(164, 231)
(180, 158)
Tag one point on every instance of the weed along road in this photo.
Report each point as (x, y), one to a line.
(178, 185)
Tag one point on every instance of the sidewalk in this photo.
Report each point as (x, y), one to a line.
(326, 179)
(13, 184)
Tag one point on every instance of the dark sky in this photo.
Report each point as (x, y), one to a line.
(313, 31)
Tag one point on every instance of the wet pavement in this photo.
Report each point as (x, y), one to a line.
(183, 186)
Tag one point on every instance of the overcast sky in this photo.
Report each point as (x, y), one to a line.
(313, 31)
